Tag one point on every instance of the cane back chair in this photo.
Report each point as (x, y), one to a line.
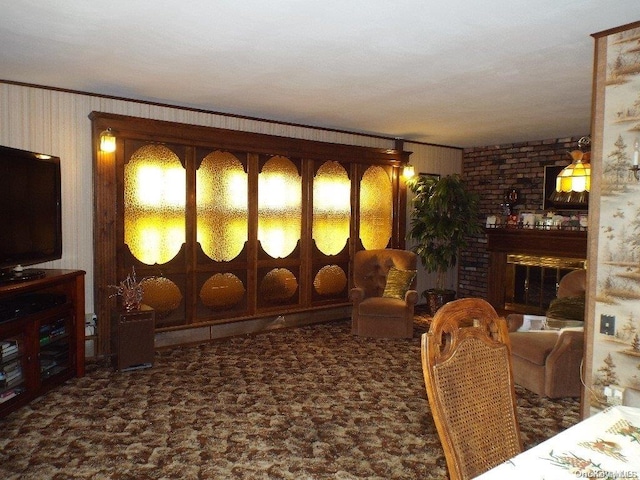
(466, 363)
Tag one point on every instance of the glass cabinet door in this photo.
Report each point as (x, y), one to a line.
(54, 337)
(12, 368)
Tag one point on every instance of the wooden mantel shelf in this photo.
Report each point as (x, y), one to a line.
(513, 241)
(554, 243)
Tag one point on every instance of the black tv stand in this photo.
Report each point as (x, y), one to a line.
(12, 276)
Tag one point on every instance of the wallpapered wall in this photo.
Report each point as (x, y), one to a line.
(616, 302)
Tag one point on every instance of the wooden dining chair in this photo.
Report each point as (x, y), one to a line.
(466, 363)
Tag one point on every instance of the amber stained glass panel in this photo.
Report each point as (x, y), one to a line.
(376, 208)
(331, 208)
(279, 207)
(222, 291)
(278, 286)
(154, 204)
(330, 280)
(221, 199)
(161, 294)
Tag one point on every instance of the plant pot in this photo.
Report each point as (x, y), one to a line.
(437, 298)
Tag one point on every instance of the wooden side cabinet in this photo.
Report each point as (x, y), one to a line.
(133, 339)
(41, 335)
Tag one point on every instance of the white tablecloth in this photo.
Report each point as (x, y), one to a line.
(605, 445)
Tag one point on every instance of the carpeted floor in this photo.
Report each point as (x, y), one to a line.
(305, 403)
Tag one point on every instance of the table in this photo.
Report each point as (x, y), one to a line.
(605, 445)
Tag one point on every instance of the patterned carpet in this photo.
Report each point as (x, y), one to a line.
(305, 403)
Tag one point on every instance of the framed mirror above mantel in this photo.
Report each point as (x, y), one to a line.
(525, 265)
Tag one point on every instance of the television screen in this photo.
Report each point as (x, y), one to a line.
(30, 208)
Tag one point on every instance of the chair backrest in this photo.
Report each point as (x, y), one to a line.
(370, 268)
(466, 362)
(573, 284)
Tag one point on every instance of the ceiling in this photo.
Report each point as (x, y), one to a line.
(458, 72)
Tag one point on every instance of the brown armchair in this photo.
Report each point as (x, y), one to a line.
(384, 293)
(548, 362)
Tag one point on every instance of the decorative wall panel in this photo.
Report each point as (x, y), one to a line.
(222, 291)
(154, 204)
(222, 201)
(279, 207)
(376, 208)
(230, 226)
(278, 286)
(331, 208)
(330, 280)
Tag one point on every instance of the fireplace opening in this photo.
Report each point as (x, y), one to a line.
(532, 281)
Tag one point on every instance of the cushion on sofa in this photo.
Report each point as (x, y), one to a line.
(381, 307)
(567, 308)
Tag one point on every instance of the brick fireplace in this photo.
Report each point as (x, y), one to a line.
(492, 171)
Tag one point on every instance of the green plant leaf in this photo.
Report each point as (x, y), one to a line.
(444, 215)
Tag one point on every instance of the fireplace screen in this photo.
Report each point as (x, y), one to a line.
(532, 281)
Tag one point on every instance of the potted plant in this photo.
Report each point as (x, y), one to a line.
(444, 216)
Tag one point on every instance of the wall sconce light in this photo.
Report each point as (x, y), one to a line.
(574, 181)
(636, 153)
(408, 171)
(107, 141)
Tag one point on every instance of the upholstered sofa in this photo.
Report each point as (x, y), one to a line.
(383, 306)
(548, 362)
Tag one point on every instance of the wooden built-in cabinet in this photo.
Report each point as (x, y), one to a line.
(228, 227)
(41, 335)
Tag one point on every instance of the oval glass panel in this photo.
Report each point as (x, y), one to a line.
(154, 204)
(278, 285)
(221, 202)
(161, 294)
(331, 208)
(279, 207)
(330, 280)
(222, 291)
(376, 208)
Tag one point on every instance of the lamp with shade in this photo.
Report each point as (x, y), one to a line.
(574, 181)
(408, 171)
(107, 141)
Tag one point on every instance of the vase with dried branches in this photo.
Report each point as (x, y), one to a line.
(130, 292)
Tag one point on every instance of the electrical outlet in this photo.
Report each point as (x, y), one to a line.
(90, 321)
(614, 394)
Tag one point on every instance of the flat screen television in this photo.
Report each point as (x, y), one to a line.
(30, 212)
